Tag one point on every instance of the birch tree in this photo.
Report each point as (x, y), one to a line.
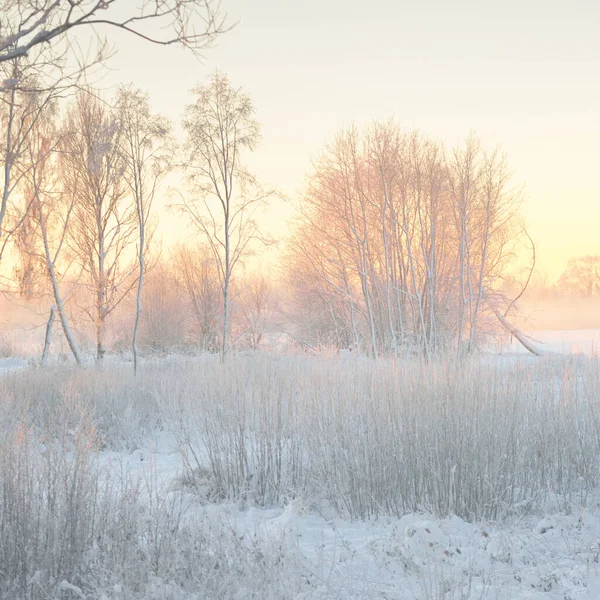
(50, 213)
(104, 222)
(409, 239)
(256, 308)
(147, 150)
(25, 98)
(220, 126)
(486, 209)
(196, 274)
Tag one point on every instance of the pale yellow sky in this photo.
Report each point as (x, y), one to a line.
(522, 74)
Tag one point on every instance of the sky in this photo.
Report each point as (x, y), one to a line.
(524, 76)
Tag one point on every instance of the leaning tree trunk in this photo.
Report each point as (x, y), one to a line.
(518, 335)
(62, 315)
(48, 334)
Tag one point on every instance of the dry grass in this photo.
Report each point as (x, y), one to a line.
(473, 439)
(479, 439)
(68, 530)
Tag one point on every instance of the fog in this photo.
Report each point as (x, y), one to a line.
(314, 317)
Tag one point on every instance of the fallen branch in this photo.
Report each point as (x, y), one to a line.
(516, 333)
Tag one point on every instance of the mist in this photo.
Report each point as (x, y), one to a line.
(298, 301)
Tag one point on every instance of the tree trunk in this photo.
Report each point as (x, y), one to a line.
(515, 332)
(8, 162)
(224, 343)
(101, 289)
(138, 311)
(56, 292)
(100, 327)
(367, 296)
(226, 282)
(48, 334)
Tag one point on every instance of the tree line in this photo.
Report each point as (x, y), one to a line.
(80, 219)
(400, 244)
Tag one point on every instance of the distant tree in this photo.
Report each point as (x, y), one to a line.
(166, 320)
(582, 276)
(256, 309)
(196, 274)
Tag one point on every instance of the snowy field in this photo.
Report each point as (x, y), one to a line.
(301, 478)
(12, 364)
(586, 341)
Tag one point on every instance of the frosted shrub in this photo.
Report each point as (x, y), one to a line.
(69, 530)
(47, 511)
(385, 438)
(123, 409)
(239, 422)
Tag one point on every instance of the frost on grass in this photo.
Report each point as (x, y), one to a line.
(300, 478)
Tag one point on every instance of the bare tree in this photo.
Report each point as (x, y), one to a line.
(23, 101)
(582, 276)
(103, 223)
(220, 125)
(28, 85)
(28, 25)
(147, 149)
(166, 315)
(322, 288)
(256, 307)
(408, 240)
(486, 209)
(197, 275)
(49, 214)
(38, 53)
(33, 87)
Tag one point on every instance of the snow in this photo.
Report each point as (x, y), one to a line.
(11, 364)
(539, 556)
(586, 341)
(553, 554)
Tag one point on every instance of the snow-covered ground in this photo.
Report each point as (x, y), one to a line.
(586, 341)
(551, 555)
(549, 552)
(11, 364)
